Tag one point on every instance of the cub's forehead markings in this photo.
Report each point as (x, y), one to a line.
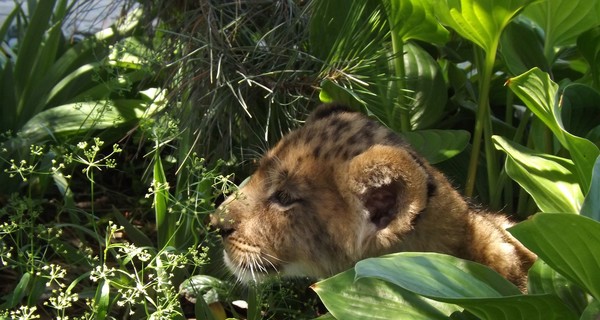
(338, 136)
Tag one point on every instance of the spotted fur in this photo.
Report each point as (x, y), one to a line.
(343, 188)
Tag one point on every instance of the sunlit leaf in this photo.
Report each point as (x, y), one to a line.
(333, 92)
(81, 117)
(480, 21)
(539, 93)
(370, 298)
(548, 179)
(473, 286)
(414, 19)
(562, 21)
(102, 299)
(569, 243)
(165, 221)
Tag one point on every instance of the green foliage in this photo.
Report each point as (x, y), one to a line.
(239, 76)
(53, 89)
(572, 252)
(563, 21)
(372, 298)
(550, 149)
(540, 94)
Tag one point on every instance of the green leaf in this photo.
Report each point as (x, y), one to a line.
(333, 92)
(102, 299)
(548, 179)
(29, 50)
(165, 224)
(425, 80)
(539, 93)
(437, 275)
(375, 299)
(542, 279)
(591, 204)
(8, 21)
(592, 312)
(209, 288)
(562, 21)
(479, 21)
(414, 20)
(438, 145)
(327, 316)
(522, 47)
(473, 286)
(579, 109)
(588, 44)
(569, 243)
(19, 292)
(82, 117)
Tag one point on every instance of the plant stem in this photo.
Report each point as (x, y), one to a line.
(483, 127)
(400, 108)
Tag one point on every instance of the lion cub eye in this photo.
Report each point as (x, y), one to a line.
(283, 199)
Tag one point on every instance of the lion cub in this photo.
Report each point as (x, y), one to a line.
(343, 188)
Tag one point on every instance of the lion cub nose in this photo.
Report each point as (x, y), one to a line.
(219, 223)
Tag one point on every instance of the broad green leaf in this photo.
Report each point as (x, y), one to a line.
(479, 21)
(579, 109)
(522, 47)
(562, 21)
(414, 19)
(209, 288)
(370, 298)
(82, 117)
(437, 275)
(588, 44)
(473, 286)
(591, 204)
(438, 145)
(548, 179)
(539, 93)
(592, 312)
(426, 83)
(542, 279)
(569, 243)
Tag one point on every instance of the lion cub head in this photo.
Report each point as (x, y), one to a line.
(337, 190)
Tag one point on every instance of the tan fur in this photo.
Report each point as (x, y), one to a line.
(343, 188)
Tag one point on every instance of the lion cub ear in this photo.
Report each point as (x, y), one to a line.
(387, 181)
